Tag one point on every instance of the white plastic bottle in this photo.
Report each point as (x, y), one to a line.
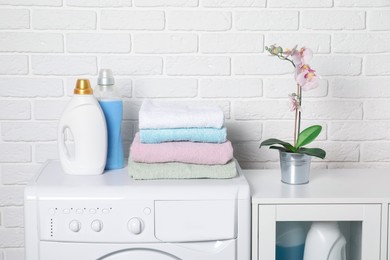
(85, 120)
(325, 241)
(111, 103)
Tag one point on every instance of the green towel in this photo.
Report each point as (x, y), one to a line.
(177, 170)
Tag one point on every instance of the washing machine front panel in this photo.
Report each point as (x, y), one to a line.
(123, 221)
(83, 220)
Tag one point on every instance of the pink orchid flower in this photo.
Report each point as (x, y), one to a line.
(294, 102)
(301, 57)
(291, 52)
(306, 77)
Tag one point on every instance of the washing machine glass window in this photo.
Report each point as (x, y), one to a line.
(139, 254)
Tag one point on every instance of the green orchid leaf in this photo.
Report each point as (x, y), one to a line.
(273, 141)
(308, 135)
(317, 152)
(278, 148)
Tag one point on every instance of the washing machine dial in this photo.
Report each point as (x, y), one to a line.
(75, 225)
(97, 225)
(135, 226)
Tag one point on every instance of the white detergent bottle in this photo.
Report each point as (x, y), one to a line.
(84, 119)
(325, 241)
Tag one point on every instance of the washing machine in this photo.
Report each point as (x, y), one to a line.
(113, 217)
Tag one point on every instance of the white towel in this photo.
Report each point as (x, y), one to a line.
(154, 114)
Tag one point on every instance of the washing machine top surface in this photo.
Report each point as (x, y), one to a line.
(53, 181)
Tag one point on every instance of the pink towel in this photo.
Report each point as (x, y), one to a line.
(185, 152)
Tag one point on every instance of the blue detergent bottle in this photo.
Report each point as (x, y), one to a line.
(112, 106)
(290, 240)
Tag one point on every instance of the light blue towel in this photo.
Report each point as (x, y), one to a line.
(204, 135)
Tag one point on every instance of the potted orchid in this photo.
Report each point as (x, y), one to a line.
(295, 158)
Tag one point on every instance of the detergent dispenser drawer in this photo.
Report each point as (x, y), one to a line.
(183, 221)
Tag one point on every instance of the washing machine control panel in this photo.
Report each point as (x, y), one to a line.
(97, 221)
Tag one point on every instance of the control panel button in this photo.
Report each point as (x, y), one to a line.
(75, 225)
(135, 226)
(147, 211)
(52, 211)
(66, 211)
(92, 211)
(97, 225)
(79, 211)
(105, 211)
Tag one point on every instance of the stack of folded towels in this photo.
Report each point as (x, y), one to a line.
(181, 142)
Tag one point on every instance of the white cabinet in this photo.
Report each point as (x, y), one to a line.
(357, 199)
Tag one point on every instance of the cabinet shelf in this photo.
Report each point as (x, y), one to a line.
(357, 199)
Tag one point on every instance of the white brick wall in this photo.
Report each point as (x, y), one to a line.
(231, 43)
(345, 43)
(234, 3)
(29, 131)
(47, 19)
(13, 217)
(197, 65)
(12, 109)
(337, 65)
(230, 88)
(132, 20)
(378, 20)
(165, 88)
(133, 65)
(32, 2)
(63, 65)
(31, 87)
(197, 51)
(99, 3)
(14, 152)
(31, 42)
(260, 65)
(318, 42)
(300, 3)
(361, 3)
(199, 20)
(278, 87)
(98, 42)
(44, 152)
(376, 65)
(13, 64)
(14, 19)
(267, 20)
(333, 20)
(165, 3)
(355, 87)
(17, 174)
(166, 43)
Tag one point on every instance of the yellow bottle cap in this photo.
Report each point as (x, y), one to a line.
(83, 87)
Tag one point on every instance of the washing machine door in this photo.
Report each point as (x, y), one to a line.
(139, 254)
